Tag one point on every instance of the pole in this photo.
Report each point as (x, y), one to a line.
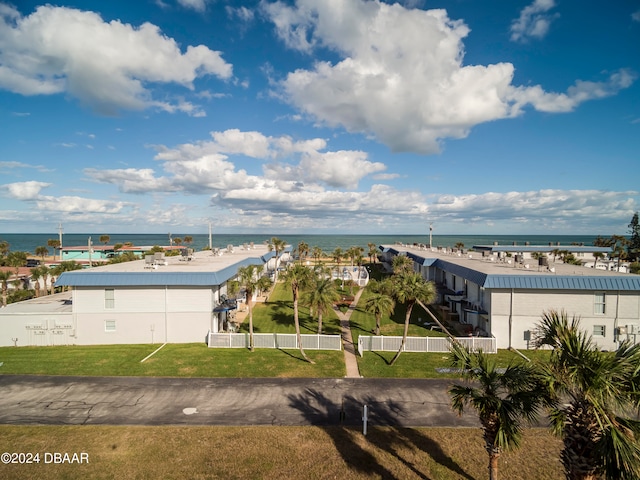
(60, 239)
(365, 415)
(430, 235)
(89, 245)
(210, 244)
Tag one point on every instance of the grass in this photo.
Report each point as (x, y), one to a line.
(274, 453)
(276, 316)
(174, 360)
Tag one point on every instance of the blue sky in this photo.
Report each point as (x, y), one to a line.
(320, 116)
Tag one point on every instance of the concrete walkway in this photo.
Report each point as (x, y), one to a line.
(347, 340)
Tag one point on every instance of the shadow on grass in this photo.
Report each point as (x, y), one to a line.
(321, 411)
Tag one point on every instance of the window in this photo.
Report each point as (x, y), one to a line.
(599, 330)
(599, 303)
(109, 325)
(109, 298)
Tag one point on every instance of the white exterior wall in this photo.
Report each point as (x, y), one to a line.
(33, 329)
(528, 306)
(144, 315)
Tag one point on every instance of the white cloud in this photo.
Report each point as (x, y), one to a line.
(302, 183)
(580, 92)
(131, 180)
(243, 13)
(197, 5)
(25, 190)
(80, 205)
(534, 21)
(401, 77)
(105, 65)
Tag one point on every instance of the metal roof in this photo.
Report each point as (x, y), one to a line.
(488, 275)
(542, 248)
(563, 282)
(93, 278)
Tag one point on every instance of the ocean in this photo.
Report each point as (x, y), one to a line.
(28, 242)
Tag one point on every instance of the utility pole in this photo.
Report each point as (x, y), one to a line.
(89, 245)
(60, 239)
(430, 235)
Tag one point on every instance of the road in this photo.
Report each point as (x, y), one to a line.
(59, 400)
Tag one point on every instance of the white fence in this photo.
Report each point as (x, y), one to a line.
(368, 343)
(274, 340)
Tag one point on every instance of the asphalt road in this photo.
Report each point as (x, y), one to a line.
(53, 400)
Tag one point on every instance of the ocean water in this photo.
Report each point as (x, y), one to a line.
(28, 242)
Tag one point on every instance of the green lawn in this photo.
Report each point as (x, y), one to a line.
(196, 360)
(174, 360)
(276, 316)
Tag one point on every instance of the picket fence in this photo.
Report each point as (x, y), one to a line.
(368, 343)
(282, 341)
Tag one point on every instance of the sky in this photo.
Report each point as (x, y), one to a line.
(320, 116)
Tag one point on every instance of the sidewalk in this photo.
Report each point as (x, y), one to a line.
(347, 340)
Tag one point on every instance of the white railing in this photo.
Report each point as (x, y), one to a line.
(367, 343)
(275, 340)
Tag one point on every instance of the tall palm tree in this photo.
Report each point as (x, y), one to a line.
(249, 278)
(597, 401)
(54, 243)
(373, 252)
(321, 297)
(503, 400)
(317, 253)
(298, 277)
(5, 275)
(303, 250)
(408, 288)
(379, 304)
(36, 274)
(276, 245)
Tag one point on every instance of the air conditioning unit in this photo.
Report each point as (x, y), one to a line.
(633, 329)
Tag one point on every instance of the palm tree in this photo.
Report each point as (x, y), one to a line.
(337, 256)
(249, 277)
(321, 297)
(402, 264)
(596, 401)
(317, 253)
(408, 288)
(54, 243)
(41, 252)
(303, 250)
(503, 400)
(298, 277)
(188, 239)
(5, 275)
(459, 246)
(276, 245)
(379, 304)
(36, 274)
(104, 239)
(373, 252)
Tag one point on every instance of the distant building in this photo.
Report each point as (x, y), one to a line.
(502, 291)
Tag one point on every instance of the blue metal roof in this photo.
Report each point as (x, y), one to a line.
(532, 281)
(542, 248)
(464, 272)
(564, 282)
(93, 278)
